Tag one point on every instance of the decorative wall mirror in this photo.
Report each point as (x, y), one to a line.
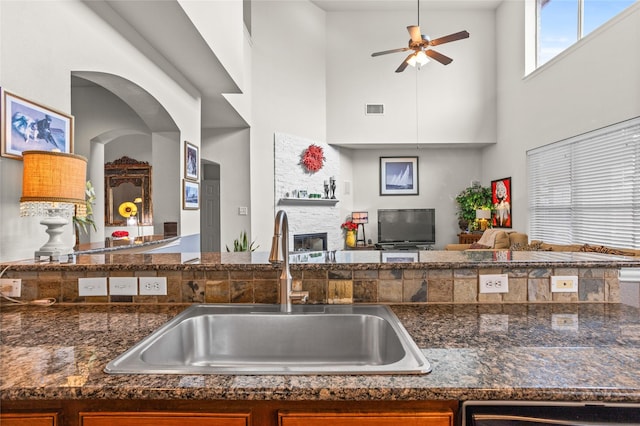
(127, 181)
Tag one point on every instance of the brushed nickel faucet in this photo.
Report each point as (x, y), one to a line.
(280, 254)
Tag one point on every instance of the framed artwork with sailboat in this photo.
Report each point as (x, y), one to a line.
(398, 175)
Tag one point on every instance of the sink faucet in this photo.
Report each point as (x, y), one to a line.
(280, 254)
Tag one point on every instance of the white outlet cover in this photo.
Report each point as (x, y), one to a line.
(96, 286)
(496, 283)
(123, 286)
(153, 286)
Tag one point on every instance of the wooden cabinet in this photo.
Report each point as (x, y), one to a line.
(382, 418)
(165, 419)
(29, 419)
(469, 238)
(207, 412)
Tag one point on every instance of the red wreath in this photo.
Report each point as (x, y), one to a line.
(313, 158)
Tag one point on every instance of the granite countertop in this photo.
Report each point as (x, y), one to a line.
(586, 352)
(349, 259)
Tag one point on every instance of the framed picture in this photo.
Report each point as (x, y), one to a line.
(190, 195)
(27, 126)
(191, 161)
(398, 175)
(501, 199)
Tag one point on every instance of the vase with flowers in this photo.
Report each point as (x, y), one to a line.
(350, 228)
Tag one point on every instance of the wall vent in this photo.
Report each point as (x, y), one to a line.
(374, 109)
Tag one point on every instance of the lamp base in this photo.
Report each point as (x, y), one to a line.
(55, 247)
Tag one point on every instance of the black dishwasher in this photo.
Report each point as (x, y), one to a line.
(524, 413)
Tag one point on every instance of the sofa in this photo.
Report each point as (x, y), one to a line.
(517, 241)
(494, 239)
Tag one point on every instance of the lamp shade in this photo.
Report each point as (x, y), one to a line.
(53, 177)
(483, 214)
(360, 217)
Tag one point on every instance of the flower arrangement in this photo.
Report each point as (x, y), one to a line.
(119, 234)
(313, 158)
(349, 226)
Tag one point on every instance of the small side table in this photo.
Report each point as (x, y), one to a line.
(469, 237)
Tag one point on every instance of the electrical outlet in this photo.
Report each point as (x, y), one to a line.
(123, 286)
(498, 283)
(92, 286)
(11, 287)
(566, 284)
(243, 211)
(153, 286)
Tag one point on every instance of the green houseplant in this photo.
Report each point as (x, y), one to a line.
(242, 243)
(83, 222)
(469, 200)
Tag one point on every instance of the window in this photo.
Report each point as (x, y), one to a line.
(586, 189)
(561, 23)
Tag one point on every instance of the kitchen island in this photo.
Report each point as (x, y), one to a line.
(581, 346)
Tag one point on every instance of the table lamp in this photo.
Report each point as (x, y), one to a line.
(53, 185)
(360, 218)
(482, 216)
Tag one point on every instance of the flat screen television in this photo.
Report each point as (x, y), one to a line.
(407, 226)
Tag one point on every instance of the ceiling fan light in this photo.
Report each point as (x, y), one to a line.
(421, 58)
(412, 60)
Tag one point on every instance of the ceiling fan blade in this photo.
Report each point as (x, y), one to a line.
(414, 32)
(449, 38)
(444, 60)
(404, 63)
(385, 52)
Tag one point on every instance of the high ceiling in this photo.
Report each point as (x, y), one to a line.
(361, 5)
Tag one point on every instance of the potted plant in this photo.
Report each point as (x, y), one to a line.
(242, 243)
(84, 221)
(469, 200)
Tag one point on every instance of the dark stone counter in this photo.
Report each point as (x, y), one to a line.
(340, 260)
(568, 352)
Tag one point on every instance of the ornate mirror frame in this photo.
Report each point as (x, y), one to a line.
(127, 170)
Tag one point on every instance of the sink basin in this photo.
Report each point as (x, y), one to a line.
(259, 339)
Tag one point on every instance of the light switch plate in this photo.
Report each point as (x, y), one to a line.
(92, 286)
(123, 286)
(564, 284)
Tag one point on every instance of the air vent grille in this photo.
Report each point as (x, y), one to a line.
(374, 109)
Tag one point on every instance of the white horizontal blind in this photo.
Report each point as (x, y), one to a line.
(586, 189)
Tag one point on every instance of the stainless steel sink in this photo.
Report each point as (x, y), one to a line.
(259, 339)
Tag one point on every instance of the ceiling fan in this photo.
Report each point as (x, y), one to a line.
(420, 46)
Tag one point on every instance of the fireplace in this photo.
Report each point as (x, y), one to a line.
(310, 242)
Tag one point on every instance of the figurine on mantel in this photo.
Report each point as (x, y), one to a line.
(332, 184)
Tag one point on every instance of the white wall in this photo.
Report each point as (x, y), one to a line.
(68, 36)
(443, 173)
(219, 23)
(594, 84)
(230, 149)
(288, 93)
(453, 103)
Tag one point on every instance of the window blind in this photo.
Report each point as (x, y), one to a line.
(586, 189)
